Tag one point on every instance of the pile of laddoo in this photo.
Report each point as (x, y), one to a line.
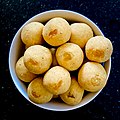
(62, 60)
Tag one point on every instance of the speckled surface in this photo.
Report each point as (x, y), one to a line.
(105, 13)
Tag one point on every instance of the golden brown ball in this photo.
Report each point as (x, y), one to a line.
(37, 92)
(74, 94)
(54, 60)
(31, 34)
(22, 72)
(57, 80)
(92, 76)
(81, 33)
(56, 31)
(70, 56)
(99, 49)
(37, 59)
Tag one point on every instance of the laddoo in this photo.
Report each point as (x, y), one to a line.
(98, 49)
(70, 56)
(92, 76)
(81, 33)
(57, 80)
(37, 59)
(62, 61)
(22, 72)
(54, 60)
(56, 31)
(37, 92)
(74, 94)
(31, 34)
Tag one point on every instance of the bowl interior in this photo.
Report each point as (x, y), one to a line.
(16, 50)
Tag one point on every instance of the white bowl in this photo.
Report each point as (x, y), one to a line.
(16, 51)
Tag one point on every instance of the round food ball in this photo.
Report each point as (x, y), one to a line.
(57, 80)
(37, 92)
(22, 72)
(74, 94)
(81, 33)
(99, 49)
(31, 34)
(54, 60)
(70, 56)
(56, 31)
(92, 76)
(37, 59)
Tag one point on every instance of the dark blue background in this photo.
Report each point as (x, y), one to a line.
(105, 13)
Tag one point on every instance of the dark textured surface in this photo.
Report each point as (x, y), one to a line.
(105, 13)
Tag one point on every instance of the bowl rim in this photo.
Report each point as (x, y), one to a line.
(10, 59)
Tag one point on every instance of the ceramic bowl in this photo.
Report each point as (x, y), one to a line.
(16, 50)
